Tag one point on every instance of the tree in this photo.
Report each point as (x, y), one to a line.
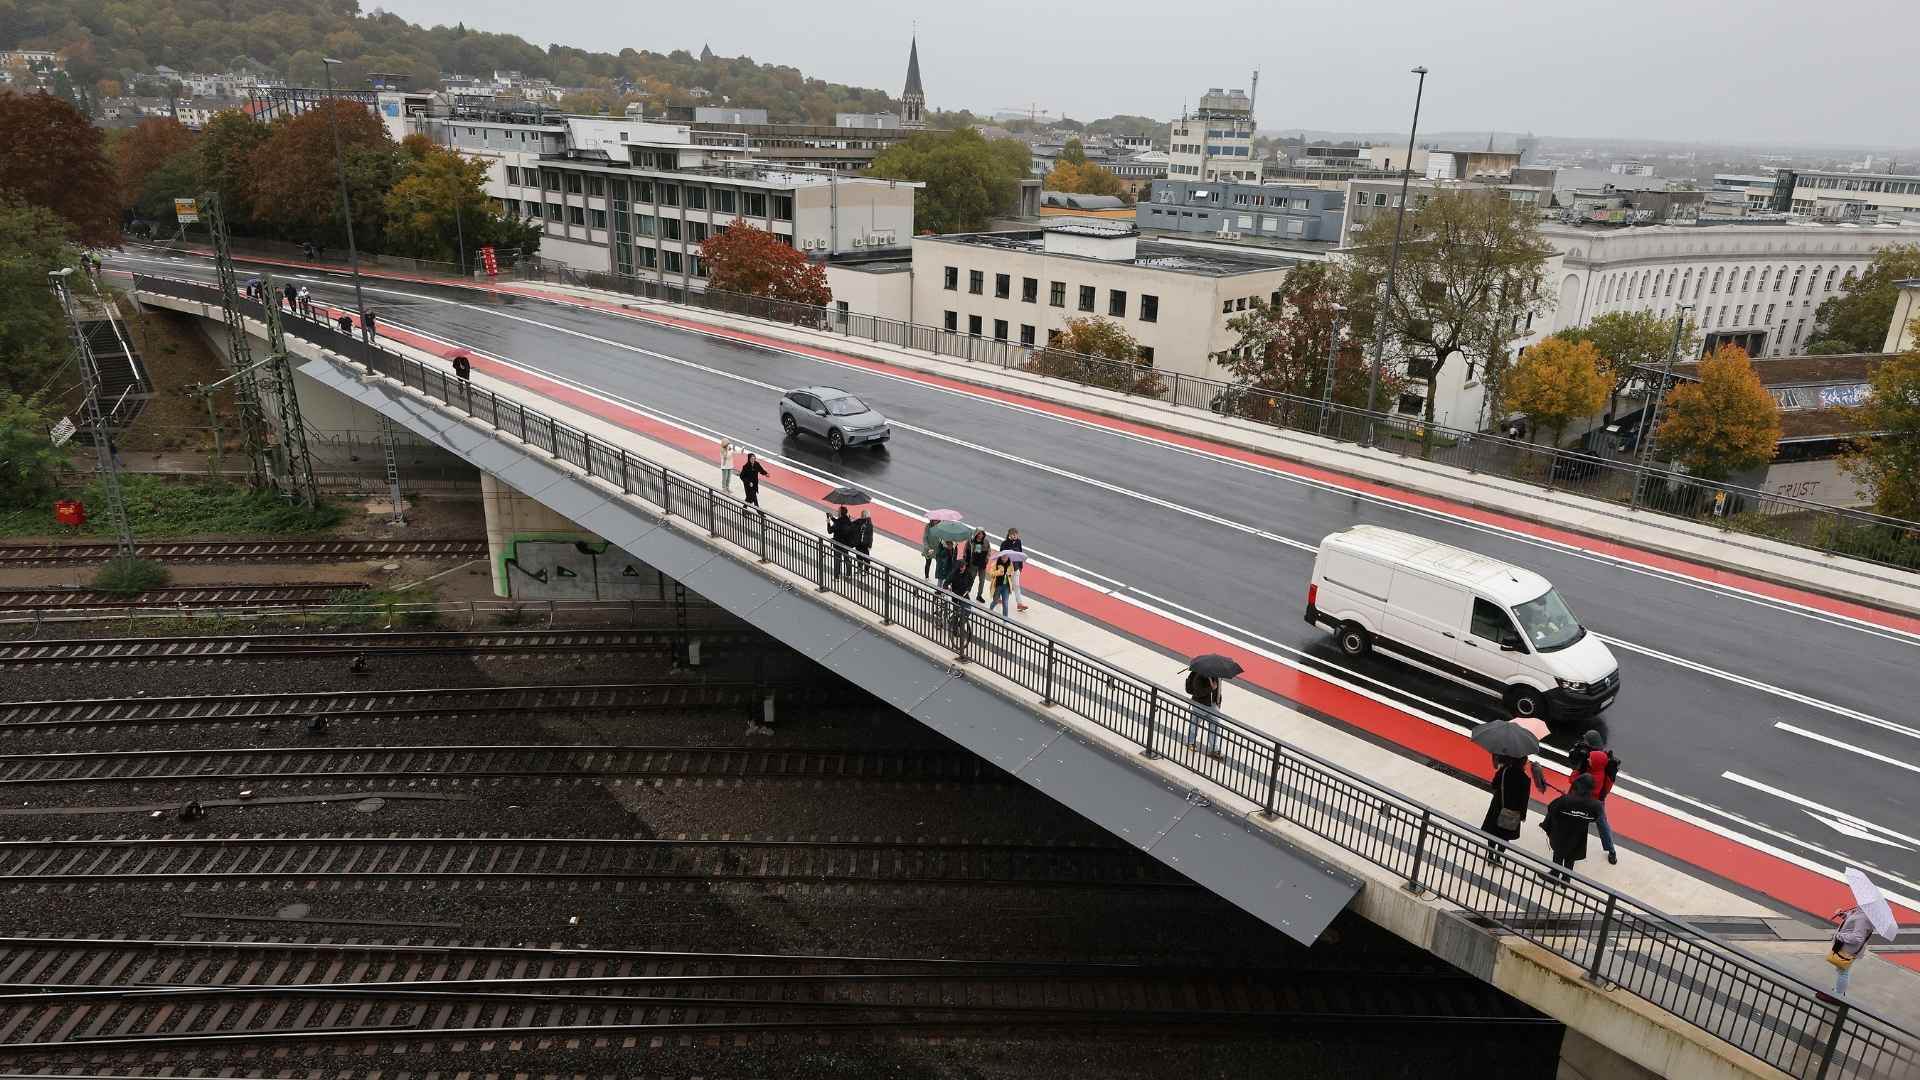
(1065, 357)
(56, 158)
(1283, 346)
(1073, 153)
(969, 180)
(749, 260)
(1887, 462)
(441, 204)
(28, 458)
(178, 177)
(1856, 319)
(1631, 343)
(1083, 179)
(290, 172)
(34, 242)
(1723, 424)
(1556, 382)
(141, 150)
(1469, 261)
(226, 151)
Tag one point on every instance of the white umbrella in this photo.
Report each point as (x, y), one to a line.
(1870, 899)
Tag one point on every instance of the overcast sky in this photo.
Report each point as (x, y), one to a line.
(1749, 71)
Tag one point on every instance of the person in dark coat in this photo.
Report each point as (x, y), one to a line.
(1014, 543)
(372, 328)
(1568, 818)
(843, 530)
(462, 367)
(1592, 758)
(863, 539)
(346, 324)
(750, 474)
(1508, 808)
(960, 579)
(292, 294)
(979, 550)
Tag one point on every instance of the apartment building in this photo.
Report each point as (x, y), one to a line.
(1841, 196)
(1367, 197)
(1175, 299)
(640, 198)
(1215, 141)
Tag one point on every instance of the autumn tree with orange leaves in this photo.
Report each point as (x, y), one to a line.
(1725, 423)
(57, 159)
(754, 261)
(140, 151)
(292, 174)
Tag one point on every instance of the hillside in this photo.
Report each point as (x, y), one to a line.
(109, 39)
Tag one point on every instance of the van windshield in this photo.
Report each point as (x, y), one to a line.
(1547, 622)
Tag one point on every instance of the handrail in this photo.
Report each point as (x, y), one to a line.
(1717, 986)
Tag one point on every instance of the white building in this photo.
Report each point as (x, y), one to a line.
(1630, 168)
(885, 121)
(1215, 141)
(1174, 297)
(639, 198)
(1843, 196)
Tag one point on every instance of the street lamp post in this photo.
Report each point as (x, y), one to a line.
(346, 203)
(1393, 256)
(1653, 408)
(1333, 351)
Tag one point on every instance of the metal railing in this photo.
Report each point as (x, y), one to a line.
(1870, 537)
(389, 613)
(1618, 941)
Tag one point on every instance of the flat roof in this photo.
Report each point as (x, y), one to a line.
(1806, 370)
(1149, 254)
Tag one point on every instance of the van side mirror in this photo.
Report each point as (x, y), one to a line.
(1510, 642)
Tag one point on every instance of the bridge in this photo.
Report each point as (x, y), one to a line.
(1089, 717)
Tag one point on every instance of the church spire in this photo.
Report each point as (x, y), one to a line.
(913, 98)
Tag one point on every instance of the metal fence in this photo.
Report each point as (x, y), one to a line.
(1615, 939)
(388, 613)
(1888, 541)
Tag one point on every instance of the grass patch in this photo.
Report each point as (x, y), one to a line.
(380, 608)
(158, 507)
(130, 577)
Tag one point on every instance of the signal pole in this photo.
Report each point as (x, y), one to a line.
(104, 462)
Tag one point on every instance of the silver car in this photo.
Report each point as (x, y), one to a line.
(834, 415)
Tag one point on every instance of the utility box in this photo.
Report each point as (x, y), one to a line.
(70, 512)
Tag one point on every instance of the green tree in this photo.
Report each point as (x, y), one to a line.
(141, 150)
(1723, 424)
(1856, 319)
(969, 179)
(28, 458)
(1887, 463)
(226, 150)
(1073, 153)
(56, 158)
(1556, 382)
(178, 177)
(34, 242)
(1067, 355)
(441, 204)
(1631, 343)
(1283, 346)
(750, 260)
(1469, 260)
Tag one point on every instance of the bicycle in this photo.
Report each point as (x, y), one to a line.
(959, 624)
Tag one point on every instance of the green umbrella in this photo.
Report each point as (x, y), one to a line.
(948, 531)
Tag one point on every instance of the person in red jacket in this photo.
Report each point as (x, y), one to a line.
(1592, 758)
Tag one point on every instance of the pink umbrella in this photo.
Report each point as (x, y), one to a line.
(1533, 724)
(944, 515)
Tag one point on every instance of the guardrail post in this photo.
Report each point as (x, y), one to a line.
(1046, 694)
(1832, 1046)
(1273, 780)
(886, 595)
(1600, 941)
(1419, 853)
(1153, 719)
(713, 515)
(523, 420)
(820, 564)
(625, 488)
(763, 534)
(553, 437)
(666, 492)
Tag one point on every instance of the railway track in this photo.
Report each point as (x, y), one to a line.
(88, 996)
(455, 703)
(245, 551)
(368, 643)
(553, 862)
(183, 596)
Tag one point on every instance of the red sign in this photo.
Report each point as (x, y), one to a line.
(70, 512)
(488, 260)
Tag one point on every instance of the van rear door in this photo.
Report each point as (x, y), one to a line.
(1424, 620)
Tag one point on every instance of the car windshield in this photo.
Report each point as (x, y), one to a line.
(1547, 622)
(846, 406)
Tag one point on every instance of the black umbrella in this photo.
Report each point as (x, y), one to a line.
(1215, 666)
(1505, 738)
(847, 496)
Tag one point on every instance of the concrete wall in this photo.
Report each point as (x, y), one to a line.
(1900, 332)
(876, 212)
(885, 293)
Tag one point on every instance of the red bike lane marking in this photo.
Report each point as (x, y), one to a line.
(1580, 541)
(1731, 859)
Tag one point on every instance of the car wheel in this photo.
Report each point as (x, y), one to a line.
(1526, 701)
(788, 425)
(836, 440)
(1354, 640)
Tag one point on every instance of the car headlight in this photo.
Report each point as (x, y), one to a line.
(1576, 687)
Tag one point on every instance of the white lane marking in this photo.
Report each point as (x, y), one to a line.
(1846, 828)
(1820, 809)
(1765, 688)
(1735, 592)
(1848, 747)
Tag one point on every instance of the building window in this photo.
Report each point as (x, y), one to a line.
(513, 175)
(1716, 280)
(573, 184)
(1149, 308)
(553, 211)
(669, 194)
(976, 282)
(753, 203)
(645, 194)
(696, 198)
(1086, 297)
(1146, 355)
(672, 260)
(696, 266)
(670, 228)
(697, 231)
(1057, 293)
(1026, 333)
(1000, 329)
(550, 180)
(783, 208)
(973, 325)
(1831, 271)
(599, 219)
(1226, 307)
(1030, 290)
(596, 185)
(643, 224)
(1240, 304)
(1117, 303)
(953, 321)
(723, 200)
(649, 258)
(1002, 286)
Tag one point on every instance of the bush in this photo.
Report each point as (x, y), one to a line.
(1874, 543)
(129, 577)
(158, 506)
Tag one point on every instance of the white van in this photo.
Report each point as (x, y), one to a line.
(1480, 622)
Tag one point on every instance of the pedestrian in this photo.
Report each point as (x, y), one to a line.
(1508, 808)
(943, 560)
(929, 549)
(959, 579)
(841, 528)
(462, 367)
(306, 301)
(750, 474)
(306, 248)
(346, 324)
(1000, 581)
(1205, 692)
(726, 466)
(366, 320)
(1592, 758)
(1568, 818)
(1013, 543)
(1849, 942)
(979, 549)
(113, 449)
(863, 540)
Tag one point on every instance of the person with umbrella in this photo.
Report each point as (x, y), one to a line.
(750, 474)
(1511, 742)
(929, 547)
(943, 534)
(841, 528)
(1203, 686)
(1869, 915)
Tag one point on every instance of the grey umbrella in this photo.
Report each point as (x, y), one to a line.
(1505, 738)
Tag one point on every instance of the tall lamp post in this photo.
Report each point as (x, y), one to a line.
(1333, 351)
(346, 203)
(1393, 256)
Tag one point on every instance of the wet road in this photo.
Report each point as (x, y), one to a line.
(1808, 712)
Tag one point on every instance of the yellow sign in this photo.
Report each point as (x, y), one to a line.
(186, 210)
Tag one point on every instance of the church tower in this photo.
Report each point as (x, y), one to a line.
(914, 98)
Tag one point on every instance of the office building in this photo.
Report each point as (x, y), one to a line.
(1215, 141)
(1236, 211)
(884, 121)
(1844, 196)
(1371, 196)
